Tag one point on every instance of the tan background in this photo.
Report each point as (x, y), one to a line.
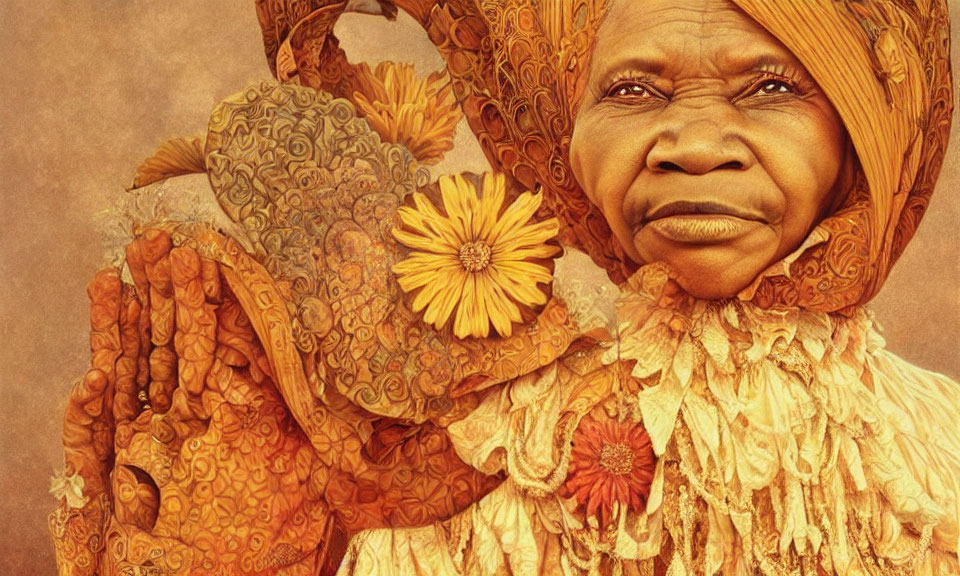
(91, 88)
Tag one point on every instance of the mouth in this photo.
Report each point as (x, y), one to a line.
(699, 209)
(700, 222)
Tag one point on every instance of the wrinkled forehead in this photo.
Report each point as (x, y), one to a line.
(665, 36)
(640, 15)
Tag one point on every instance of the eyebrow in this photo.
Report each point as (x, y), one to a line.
(649, 65)
(740, 63)
(737, 63)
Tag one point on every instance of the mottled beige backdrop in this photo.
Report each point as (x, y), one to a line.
(88, 89)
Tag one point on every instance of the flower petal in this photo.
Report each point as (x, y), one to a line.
(471, 319)
(526, 272)
(543, 251)
(528, 236)
(440, 308)
(433, 244)
(524, 292)
(516, 215)
(420, 269)
(460, 202)
(433, 221)
(501, 311)
(494, 191)
(427, 297)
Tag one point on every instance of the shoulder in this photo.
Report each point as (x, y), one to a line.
(924, 407)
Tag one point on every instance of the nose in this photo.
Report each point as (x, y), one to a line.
(698, 146)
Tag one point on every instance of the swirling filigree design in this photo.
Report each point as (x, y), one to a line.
(318, 193)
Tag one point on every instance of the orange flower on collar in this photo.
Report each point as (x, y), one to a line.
(611, 462)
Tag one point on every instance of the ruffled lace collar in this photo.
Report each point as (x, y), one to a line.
(772, 423)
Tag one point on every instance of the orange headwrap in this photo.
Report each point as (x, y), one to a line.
(517, 70)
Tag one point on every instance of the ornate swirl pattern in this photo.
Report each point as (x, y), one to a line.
(318, 193)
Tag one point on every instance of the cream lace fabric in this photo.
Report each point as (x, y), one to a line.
(789, 442)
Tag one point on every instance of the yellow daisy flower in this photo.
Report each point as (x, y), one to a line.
(476, 258)
(420, 114)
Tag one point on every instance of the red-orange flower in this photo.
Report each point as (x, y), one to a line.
(611, 462)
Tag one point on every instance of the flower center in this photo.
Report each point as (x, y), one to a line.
(617, 459)
(475, 256)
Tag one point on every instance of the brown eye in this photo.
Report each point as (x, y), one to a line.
(771, 87)
(630, 90)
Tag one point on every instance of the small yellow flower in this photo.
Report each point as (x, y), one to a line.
(420, 114)
(474, 258)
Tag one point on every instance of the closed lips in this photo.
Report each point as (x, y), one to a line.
(686, 208)
(701, 223)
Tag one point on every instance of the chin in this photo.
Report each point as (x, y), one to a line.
(711, 271)
(711, 276)
(711, 289)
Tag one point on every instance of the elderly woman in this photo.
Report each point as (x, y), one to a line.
(312, 384)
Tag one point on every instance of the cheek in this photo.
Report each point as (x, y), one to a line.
(604, 163)
(808, 166)
(600, 162)
(580, 160)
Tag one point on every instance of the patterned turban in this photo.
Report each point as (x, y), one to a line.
(518, 68)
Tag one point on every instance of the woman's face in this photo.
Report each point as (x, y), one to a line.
(704, 141)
